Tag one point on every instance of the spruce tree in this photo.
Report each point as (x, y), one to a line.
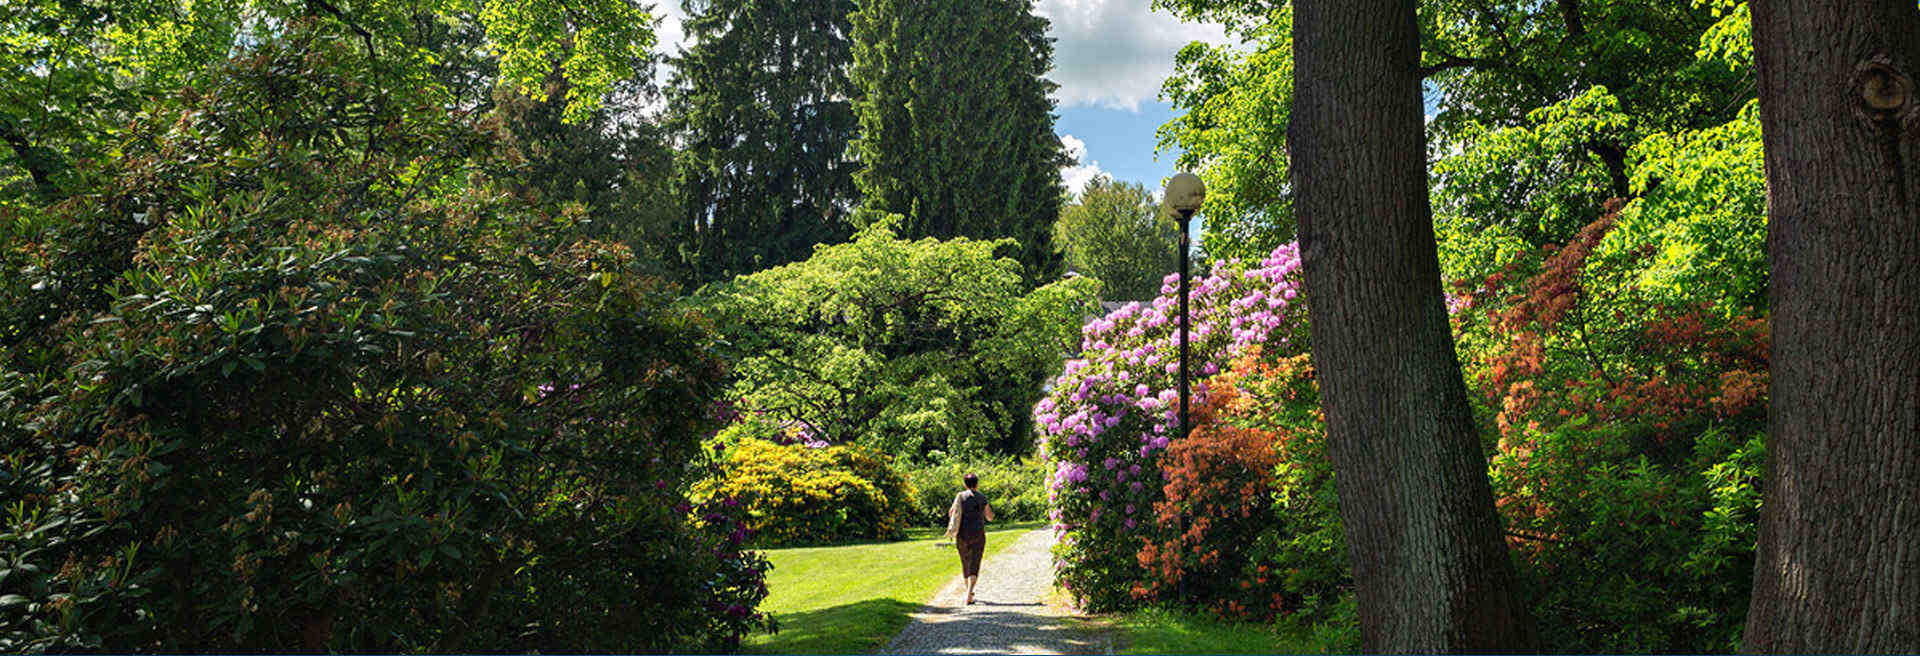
(956, 126)
(761, 100)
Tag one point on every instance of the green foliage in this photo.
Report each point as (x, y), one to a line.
(1539, 107)
(798, 494)
(74, 74)
(761, 99)
(1236, 103)
(1492, 63)
(1620, 466)
(956, 123)
(594, 44)
(316, 379)
(1017, 488)
(1701, 211)
(1627, 553)
(620, 172)
(1520, 187)
(1115, 232)
(905, 346)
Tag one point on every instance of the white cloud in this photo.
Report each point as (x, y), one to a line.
(1083, 170)
(1107, 53)
(1115, 53)
(668, 34)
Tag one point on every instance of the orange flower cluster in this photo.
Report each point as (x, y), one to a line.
(1249, 479)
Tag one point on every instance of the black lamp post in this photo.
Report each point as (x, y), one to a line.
(1183, 195)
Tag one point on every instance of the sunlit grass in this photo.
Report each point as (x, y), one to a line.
(854, 598)
(1163, 631)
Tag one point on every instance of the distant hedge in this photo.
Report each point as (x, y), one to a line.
(1017, 489)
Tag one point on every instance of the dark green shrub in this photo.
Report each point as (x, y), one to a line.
(1017, 488)
(812, 494)
(317, 381)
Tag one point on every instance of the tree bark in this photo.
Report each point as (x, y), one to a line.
(1429, 562)
(1838, 568)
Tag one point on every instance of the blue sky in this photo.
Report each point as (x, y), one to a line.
(1110, 57)
(1117, 141)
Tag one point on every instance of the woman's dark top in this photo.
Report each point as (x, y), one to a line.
(973, 514)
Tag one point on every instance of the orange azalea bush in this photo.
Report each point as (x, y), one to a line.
(1629, 442)
(1249, 525)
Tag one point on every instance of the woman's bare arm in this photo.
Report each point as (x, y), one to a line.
(989, 510)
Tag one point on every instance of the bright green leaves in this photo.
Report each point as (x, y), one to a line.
(1702, 211)
(1730, 40)
(593, 44)
(1233, 133)
(1516, 188)
(904, 345)
(1116, 232)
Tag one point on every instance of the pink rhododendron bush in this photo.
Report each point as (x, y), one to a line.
(1111, 414)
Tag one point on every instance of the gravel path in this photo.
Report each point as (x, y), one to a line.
(1010, 613)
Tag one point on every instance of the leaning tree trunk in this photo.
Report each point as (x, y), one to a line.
(1838, 568)
(1429, 560)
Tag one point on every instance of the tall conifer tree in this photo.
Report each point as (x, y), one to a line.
(761, 98)
(956, 126)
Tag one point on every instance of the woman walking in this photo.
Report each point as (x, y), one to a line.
(967, 524)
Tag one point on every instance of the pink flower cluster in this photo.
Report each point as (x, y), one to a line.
(1111, 411)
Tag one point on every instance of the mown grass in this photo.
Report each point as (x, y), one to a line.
(1165, 631)
(853, 598)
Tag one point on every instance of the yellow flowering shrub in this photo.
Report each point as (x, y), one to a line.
(796, 494)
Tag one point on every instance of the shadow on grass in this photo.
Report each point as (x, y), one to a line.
(855, 628)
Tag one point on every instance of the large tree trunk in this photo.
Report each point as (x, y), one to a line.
(1838, 568)
(1429, 561)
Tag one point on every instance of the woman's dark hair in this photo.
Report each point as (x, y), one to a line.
(971, 481)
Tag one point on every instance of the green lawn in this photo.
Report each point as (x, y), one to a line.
(1162, 631)
(854, 598)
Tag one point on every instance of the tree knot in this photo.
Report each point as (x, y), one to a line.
(1884, 90)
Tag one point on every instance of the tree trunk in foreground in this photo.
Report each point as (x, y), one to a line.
(1429, 561)
(1838, 568)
